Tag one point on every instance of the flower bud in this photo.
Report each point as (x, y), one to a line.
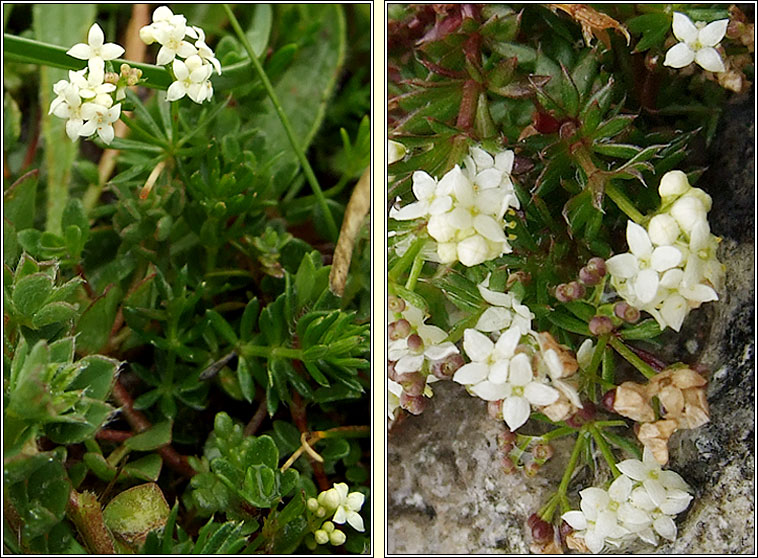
(522, 277)
(608, 400)
(582, 416)
(509, 467)
(688, 211)
(321, 536)
(321, 511)
(312, 504)
(413, 383)
(329, 499)
(399, 329)
(395, 304)
(110, 77)
(337, 538)
(597, 264)
(566, 292)
(663, 230)
(542, 531)
(415, 405)
(589, 277)
(328, 526)
(567, 129)
(600, 325)
(542, 452)
(532, 469)
(506, 438)
(626, 312)
(415, 343)
(445, 368)
(673, 183)
(391, 374)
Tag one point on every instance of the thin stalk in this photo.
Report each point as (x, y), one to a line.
(249, 351)
(418, 264)
(644, 368)
(604, 450)
(84, 511)
(546, 513)
(623, 203)
(310, 176)
(405, 260)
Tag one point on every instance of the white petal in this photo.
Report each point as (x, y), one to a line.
(504, 161)
(674, 310)
(488, 178)
(73, 128)
(655, 490)
(683, 28)
(711, 34)
(638, 240)
(679, 56)
(355, 500)
(676, 502)
(175, 91)
(665, 527)
(473, 251)
(106, 133)
(80, 51)
(460, 218)
(648, 536)
(165, 55)
(409, 363)
(438, 352)
(409, 212)
(620, 489)
(492, 202)
(646, 285)
(520, 370)
(482, 159)
(439, 227)
(441, 205)
(622, 266)
(355, 521)
(340, 515)
(672, 278)
(88, 129)
(489, 228)
(576, 519)
(186, 50)
(95, 37)
(540, 394)
(593, 500)
(478, 346)
(490, 391)
(699, 293)
(110, 51)
(499, 372)
(494, 319)
(665, 257)
(641, 499)
(508, 342)
(594, 541)
(708, 58)
(471, 373)
(673, 481)
(628, 513)
(516, 412)
(633, 468)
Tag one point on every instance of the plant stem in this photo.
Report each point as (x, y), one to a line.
(418, 264)
(623, 203)
(406, 259)
(249, 351)
(83, 510)
(310, 176)
(644, 368)
(604, 449)
(560, 495)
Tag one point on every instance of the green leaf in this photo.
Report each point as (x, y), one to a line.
(614, 126)
(249, 319)
(334, 449)
(646, 329)
(11, 121)
(245, 379)
(260, 28)
(146, 468)
(569, 93)
(19, 201)
(286, 436)
(133, 513)
(95, 323)
(52, 313)
(653, 27)
(304, 90)
(260, 486)
(569, 323)
(264, 452)
(222, 327)
(619, 150)
(154, 437)
(30, 293)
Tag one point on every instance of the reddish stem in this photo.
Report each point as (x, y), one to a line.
(297, 409)
(113, 435)
(139, 423)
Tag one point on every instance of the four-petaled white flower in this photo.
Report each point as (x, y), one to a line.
(496, 372)
(348, 507)
(697, 44)
(204, 51)
(505, 311)
(434, 345)
(68, 105)
(190, 79)
(433, 199)
(100, 119)
(96, 52)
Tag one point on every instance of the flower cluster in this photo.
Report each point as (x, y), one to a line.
(641, 502)
(681, 393)
(192, 74)
(85, 100)
(672, 266)
(517, 371)
(697, 43)
(418, 354)
(332, 506)
(465, 209)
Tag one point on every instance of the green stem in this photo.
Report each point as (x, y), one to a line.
(623, 203)
(249, 351)
(418, 264)
(406, 259)
(310, 176)
(605, 450)
(645, 369)
(83, 510)
(598, 354)
(560, 495)
(559, 432)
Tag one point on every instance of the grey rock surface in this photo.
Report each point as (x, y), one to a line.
(447, 492)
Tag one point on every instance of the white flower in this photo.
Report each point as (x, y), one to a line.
(433, 199)
(505, 311)
(90, 88)
(642, 265)
(394, 391)
(100, 119)
(348, 507)
(498, 373)
(171, 37)
(434, 345)
(485, 172)
(190, 79)
(96, 52)
(697, 44)
(204, 51)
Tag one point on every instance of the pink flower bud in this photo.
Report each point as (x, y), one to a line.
(626, 312)
(415, 405)
(399, 329)
(395, 304)
(445, 368)
(600, 325)
(415, 343)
